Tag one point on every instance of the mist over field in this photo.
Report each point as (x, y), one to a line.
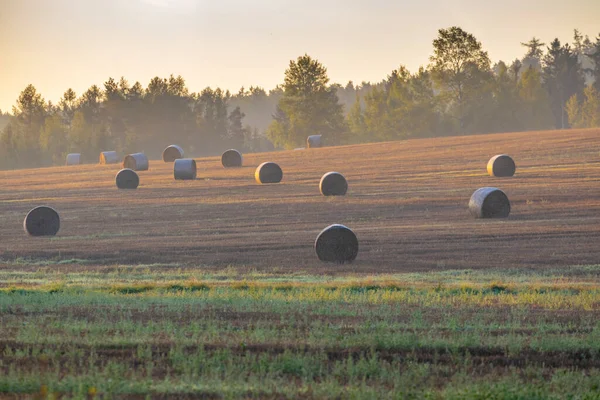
(552, 86)
(300, 200)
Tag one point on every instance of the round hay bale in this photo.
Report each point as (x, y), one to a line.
(232, 158)
(333, 184)
(501, 166)
(109, 157)
(136, 162)
(336, 243)
(42, 221)
(127, 179)
(489, 202)
(172, 153)
(73, 159)
(268, 172)
(184, 169)
(314, 141)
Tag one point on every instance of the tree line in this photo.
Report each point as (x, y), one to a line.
(555, 85)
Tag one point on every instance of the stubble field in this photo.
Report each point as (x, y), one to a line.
(211, 288)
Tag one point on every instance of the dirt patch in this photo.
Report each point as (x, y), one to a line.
(407, 203)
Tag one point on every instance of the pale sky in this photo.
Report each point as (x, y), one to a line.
(57, 44)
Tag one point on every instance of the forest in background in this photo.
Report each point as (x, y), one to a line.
(552, 86)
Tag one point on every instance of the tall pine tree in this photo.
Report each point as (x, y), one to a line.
(309, 106)
(563, 78)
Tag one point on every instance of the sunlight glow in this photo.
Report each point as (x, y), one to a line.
(172, 4)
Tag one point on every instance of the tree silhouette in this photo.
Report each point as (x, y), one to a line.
(309, 106)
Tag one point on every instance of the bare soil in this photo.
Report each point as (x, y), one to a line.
(407, 202)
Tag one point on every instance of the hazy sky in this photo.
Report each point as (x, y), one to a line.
(57, 44)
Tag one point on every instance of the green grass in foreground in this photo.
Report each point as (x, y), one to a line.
(160, 330)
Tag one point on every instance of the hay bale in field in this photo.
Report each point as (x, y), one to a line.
(232, 158)
(136, 162)
(127, 179)
(336, 243)
(333, 184)
(501, 165)
(109, 157)
(73, 159)
(299, 148)
(489, 202)
(172, 153)
(184, 169)
(42, 221)
(314, 141)
(268, 172)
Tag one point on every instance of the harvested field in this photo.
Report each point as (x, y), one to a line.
(210, 288)
(407, 203)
